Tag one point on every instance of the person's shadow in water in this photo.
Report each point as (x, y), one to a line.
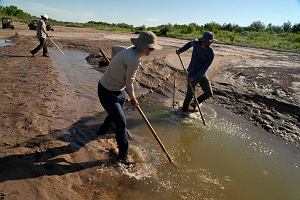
(37, 164)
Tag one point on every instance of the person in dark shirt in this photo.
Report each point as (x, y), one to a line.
(201, 60)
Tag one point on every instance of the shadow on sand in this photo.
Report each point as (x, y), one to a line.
(32, 165)
(45, 163)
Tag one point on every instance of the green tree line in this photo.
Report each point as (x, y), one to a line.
(15, 13)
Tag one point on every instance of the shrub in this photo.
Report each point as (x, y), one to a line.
(140, 29)
(296, 28)
(165, 29)
(297, 39)
(257, 26)
(212, 26)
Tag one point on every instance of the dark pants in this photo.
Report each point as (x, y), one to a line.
(113, 103)
(43, 45)
(206, 87)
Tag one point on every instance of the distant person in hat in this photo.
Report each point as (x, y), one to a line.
(201, 60)
(119, 77)
(41, 35)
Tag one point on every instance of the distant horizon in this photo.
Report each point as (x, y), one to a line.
(112, 12)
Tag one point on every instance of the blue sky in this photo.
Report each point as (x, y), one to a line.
(156, 12)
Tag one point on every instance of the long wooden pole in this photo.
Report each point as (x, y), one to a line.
(174, 91)
(103, 54)
(154, 134)
(194, 95)
(148, 123)
(55, 45)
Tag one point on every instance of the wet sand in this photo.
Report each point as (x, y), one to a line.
(47, 117)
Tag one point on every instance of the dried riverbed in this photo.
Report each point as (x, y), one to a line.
(50, 114)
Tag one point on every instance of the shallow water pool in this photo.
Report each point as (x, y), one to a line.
(228, 159)
(4, 43)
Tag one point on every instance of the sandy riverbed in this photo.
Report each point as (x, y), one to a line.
(41, 119)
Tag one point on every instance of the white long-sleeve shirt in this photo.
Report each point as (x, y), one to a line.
(41, 25)
(121, 72)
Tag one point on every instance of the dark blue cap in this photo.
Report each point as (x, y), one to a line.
(208, 37)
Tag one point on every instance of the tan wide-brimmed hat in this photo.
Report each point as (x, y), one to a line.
(146, 40)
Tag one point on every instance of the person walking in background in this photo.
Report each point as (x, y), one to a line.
(41, 35)
(119, 77)
(201, 60)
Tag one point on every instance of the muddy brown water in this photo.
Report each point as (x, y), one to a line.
(228, 159)
(80, 78)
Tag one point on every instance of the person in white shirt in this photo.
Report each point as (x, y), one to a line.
(41, 35)
(118, 78)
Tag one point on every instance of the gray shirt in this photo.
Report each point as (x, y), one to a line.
(121, 72)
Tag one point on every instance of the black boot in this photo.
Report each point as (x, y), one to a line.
(103, 130)
(124, 160)
(184, 108)
(32, 53)
(194, 105)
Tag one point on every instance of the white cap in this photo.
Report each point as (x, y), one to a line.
(45, 16)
